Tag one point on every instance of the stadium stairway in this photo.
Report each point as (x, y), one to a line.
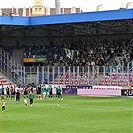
(9, 68)
(17, 55)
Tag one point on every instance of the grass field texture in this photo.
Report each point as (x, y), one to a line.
(73, 114)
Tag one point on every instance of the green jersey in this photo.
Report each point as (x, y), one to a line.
(44, 89)
(48, 89)
(59, 89)
(31, 95)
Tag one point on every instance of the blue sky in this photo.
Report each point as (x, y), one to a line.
(85, 5)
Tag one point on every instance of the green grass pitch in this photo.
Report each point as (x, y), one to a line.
(73, 114)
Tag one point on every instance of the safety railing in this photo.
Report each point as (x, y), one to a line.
(78, 75)
(9, 68)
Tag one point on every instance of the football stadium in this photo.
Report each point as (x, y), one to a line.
(67, 73)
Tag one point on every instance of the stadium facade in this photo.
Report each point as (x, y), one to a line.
(38, 9)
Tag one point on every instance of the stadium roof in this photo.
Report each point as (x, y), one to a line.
(68, 18)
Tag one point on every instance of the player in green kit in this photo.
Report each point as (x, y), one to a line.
(31, 97)
(59, 93)
(44, 90)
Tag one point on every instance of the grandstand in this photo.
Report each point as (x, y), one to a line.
(33, 48)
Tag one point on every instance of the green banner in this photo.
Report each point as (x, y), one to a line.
(41, 58)
(70, 53)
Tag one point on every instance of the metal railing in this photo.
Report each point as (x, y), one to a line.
(78, 75)
(9, 68)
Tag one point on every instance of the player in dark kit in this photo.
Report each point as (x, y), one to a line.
(2, 93)
(17, 96)
(50, 92)
(38, 91)
(12, 92)
(25, 92)
(8, 92)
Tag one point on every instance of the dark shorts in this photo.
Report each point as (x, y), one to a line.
(17, 98)
(3, 108)
(39, 92)
(50, 93)
(25, 93)
(31, 101)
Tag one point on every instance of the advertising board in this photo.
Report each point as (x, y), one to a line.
(127, 92)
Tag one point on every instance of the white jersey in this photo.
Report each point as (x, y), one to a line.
(3, 104)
